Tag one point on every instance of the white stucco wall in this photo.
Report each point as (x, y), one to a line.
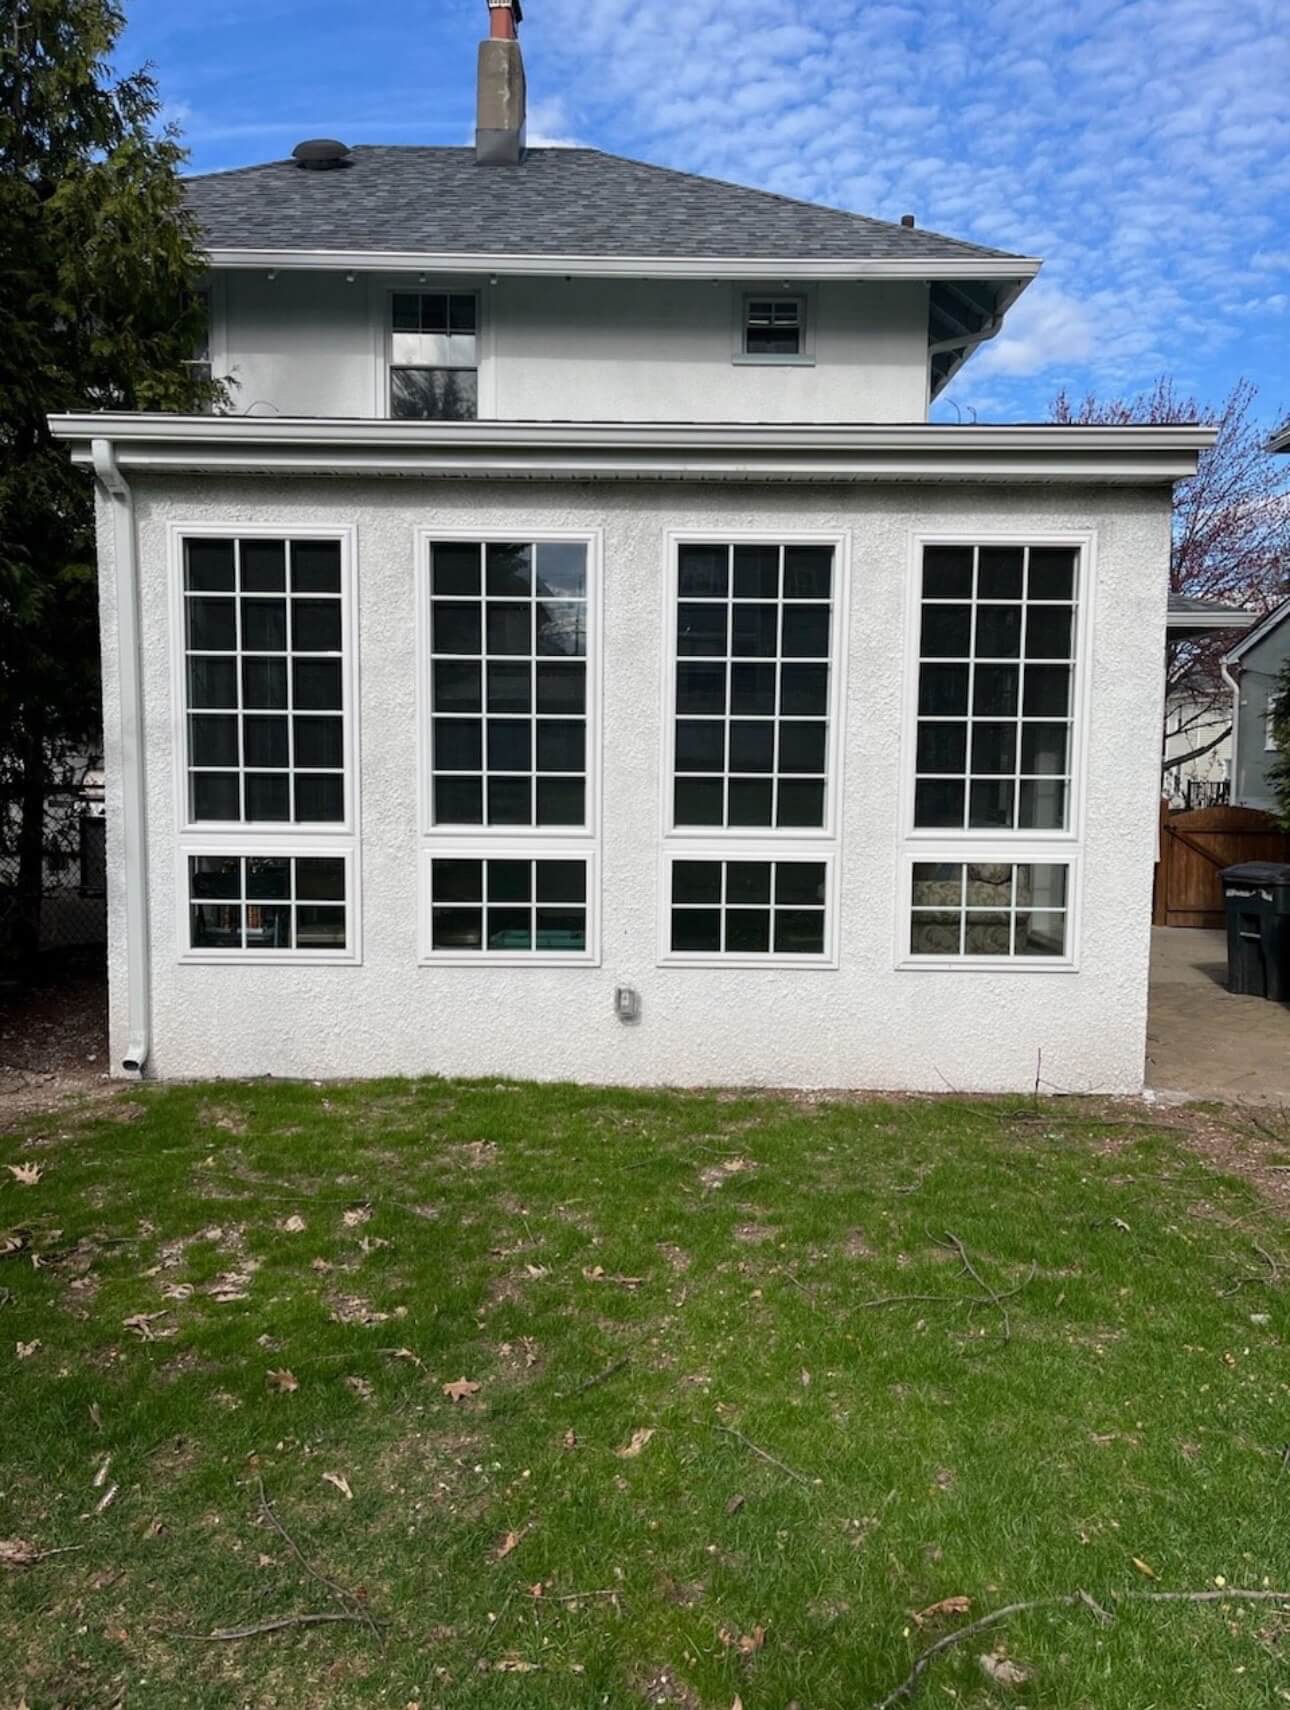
(864, 1023)
(579, 350)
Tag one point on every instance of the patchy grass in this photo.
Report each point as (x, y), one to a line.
(214, 1291)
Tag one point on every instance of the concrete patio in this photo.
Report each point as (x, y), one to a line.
(1202, 1041)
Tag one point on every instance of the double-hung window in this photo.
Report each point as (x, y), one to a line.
(992, 844)
(265, 681)
(509, 649)
(752, 750)
(434, 360)
(774, 329)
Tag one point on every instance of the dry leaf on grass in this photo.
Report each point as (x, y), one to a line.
(735, 1504)
(1003, 1671)
(946, 1606)
(357, 1215)
(283, 1382)
(598, 1273)
(360, 1387)
(747, 1644)
(570, 1439)
(403, 1354)
(1144, 1569)
(25, 1350)
(339, 1482)
(515, 1665)
(461, 1389)
(17, 1553)
(629, 1451)
(26, 1175)
(142, 1324)
(12, 1241)
(510, 1542)
(294, 1225)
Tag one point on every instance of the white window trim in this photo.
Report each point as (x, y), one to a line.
(1072, 835)
(593, 540)
(484, 369)
(233, 830)
(1001, 854)
(737, 836)
(533, 849)
(805, 295)
(291, 845)
(771, 852)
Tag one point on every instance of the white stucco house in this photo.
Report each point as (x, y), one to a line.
(577, 655)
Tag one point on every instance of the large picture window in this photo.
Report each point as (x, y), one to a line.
(264, 681)
(753, 642)
(997, 656)
(509, 695)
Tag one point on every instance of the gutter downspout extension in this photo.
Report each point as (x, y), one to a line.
(1235, 687)
(133, 799)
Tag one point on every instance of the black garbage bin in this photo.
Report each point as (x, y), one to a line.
(1257, 900)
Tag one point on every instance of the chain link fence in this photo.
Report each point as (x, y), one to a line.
(58, 905)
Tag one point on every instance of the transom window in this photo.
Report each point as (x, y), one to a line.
(267, 903)
(989, 908)
(753, 645)
(748, 908)
(434, 356)
(264, 655)
(509, 734)
(508, 907)
(995, 689)
(774, 326)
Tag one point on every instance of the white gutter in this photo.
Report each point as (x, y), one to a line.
(751, 267)
(133, 797)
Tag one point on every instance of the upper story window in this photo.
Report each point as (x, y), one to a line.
(265, 680)
(996, 688)
(774, 326)
(434, 356)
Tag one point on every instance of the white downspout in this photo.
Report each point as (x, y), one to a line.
(1235, 687)
(134, 812)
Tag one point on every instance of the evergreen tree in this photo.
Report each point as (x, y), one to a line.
(100, 269)
(1279, 770)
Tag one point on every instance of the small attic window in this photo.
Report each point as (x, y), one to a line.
(774, 326)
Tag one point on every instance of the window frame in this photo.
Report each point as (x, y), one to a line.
(284, 846)
(388, 365)
(481, 849)
(1084, 543)
(593, 540)
(723, 852)
(805, 297)
(308, 830)
(839, 648)
(999, 853)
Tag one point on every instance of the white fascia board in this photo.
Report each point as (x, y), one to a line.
(1230, 619)
(629, 266)
(639, 451)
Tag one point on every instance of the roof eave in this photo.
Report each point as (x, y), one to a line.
(1017, 268)
(636, 450)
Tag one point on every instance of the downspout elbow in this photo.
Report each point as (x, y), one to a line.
(133, 788)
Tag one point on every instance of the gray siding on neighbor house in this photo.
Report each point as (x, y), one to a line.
(1258, 669)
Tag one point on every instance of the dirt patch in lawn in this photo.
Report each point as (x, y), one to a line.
(53, 1046)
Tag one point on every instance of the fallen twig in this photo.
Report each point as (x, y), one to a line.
(351, 1604)
(910, 1685)
(763, 1455)
(280, 1623)
(1270, 1281)
(602, 1377)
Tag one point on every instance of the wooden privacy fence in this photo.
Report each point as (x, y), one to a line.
(1195, 846)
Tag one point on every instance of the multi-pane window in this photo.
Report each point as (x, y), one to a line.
(509, 718)
(434, 358)
(748, 908)
(774, 326)
(753, 641)
(264, 681)
(504, 906)
(267, 903)
(995, 688)
(989, 908)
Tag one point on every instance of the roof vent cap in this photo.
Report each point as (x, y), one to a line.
(320, 154)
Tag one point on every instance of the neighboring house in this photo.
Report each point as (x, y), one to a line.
(1198, 722)
(1252, 669)
(583, 659)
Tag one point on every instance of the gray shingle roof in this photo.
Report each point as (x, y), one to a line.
(558, 202)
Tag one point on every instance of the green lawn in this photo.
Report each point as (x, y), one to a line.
(212, 1293)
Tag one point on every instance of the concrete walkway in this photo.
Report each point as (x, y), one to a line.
(1201, 1040)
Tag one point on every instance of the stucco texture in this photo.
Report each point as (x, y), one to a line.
(865, 1023)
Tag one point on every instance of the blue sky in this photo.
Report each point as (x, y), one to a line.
(1142, 147)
